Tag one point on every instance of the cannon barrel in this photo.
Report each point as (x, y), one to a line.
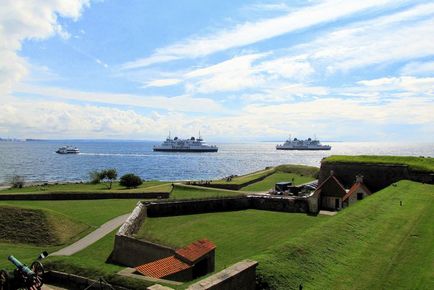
(20, 266)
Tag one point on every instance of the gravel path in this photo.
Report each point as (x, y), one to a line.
(91, 238)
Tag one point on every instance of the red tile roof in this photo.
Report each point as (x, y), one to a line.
(332, 178)
(355, 187)
(196, 250)
(163, 267)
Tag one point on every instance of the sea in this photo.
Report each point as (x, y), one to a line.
(37, 161)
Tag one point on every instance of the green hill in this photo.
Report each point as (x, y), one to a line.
(415, 163)
(374, 244)
(37, 227)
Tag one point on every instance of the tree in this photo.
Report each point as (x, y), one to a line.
(130, 180)
(17, 181)
(110, 175)
(95, 176)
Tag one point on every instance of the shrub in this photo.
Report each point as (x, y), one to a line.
(17, 181)
(95, 176)
(130, 180)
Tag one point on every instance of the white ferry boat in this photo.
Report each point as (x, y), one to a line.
(68, 150)
(185, 145)
(308, 144)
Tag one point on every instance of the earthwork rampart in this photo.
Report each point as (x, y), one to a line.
(376, 176)
(132, 252)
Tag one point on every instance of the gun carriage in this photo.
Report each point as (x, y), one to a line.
(23, 277)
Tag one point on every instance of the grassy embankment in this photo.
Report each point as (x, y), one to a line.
(296, 170)
(90, 213)
(374, 244)
(415, 163)
(148, 186)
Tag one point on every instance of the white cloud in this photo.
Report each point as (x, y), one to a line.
(177, 104)
(21, 20)
(396, 37)
(163, 82)
(252, 32)
(406, 83)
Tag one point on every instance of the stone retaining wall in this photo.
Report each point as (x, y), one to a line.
(375, 176)
(83, 196)
(240, 276)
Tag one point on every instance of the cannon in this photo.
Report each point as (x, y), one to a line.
(23, 277)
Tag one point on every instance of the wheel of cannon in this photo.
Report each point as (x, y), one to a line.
(4, 280)
(38, 269)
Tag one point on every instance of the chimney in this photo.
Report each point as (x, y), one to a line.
(359, 178)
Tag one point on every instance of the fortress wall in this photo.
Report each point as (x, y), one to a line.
(82, 196)
(132, 252)
(375, 176)
(279, 203)
(240, 276)
(185, 207)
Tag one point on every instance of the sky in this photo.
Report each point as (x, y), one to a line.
(233, 70)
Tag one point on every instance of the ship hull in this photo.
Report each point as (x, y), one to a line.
(305, 149)
(185, 150)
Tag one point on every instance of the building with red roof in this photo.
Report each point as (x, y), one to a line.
(192, 261)
(332, 195)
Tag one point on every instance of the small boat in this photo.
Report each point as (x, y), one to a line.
(68, 150)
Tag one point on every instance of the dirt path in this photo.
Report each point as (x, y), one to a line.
(91, 238)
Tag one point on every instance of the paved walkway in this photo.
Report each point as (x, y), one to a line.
(91, 238)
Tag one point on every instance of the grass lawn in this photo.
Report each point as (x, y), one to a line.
(91, 212)
(416, 163)
(186, 192)
(237, 235)
(246, 178)
(148, 186)
(373, 244)
(269, 182)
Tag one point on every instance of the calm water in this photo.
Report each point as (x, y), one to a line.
(37, 161)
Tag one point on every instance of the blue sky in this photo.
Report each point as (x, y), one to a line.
(235, 70)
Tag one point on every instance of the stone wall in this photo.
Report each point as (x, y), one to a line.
(279, 203)
(132, 252)
(196, 206)
(375, 176)
(240, 276)
(83, 195)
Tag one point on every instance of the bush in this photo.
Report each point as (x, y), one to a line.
(17, 181)
(95, 176)
(130, 180)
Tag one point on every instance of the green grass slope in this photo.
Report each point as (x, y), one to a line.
(237, 235)
(269, 182)
(37, 227)
(90, 212)
(373, 244)
(415, 163)
(148, 186)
